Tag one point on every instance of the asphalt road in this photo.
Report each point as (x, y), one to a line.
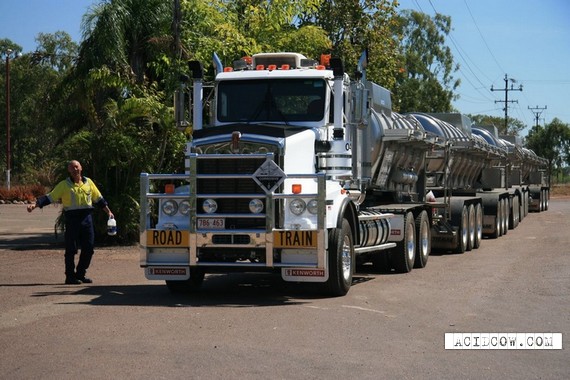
(256, 327)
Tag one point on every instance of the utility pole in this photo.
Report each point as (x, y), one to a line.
(8, 152)
(537, 111)
(507, 101)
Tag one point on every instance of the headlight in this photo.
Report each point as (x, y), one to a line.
(297, 206)
(255, 206)
(169, 207)
(313, 206)
(210, 206)
(184, 208)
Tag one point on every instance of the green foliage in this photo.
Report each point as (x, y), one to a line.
(355, 26)
(426, 82)
(551, 142)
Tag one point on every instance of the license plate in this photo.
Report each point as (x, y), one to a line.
(167, 238)
(211, 224)
(295, 239)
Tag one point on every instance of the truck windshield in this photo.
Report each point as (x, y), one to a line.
(278, 100)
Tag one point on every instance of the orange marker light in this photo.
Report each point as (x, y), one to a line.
(296, 188)
(228, 69)
(260, 67)
(285, 67)
(169, 188)
(272, 67)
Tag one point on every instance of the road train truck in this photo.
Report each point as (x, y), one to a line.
(306, 172)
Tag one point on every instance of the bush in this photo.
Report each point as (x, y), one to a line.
(22, 193)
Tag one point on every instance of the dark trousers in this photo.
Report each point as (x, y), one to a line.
(79, 233)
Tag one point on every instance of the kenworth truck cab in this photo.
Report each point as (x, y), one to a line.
(276, 182)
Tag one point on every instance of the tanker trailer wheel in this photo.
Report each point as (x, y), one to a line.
(187, 286)
(462, 222)
(423, 241)
(505, 219)
(471, 228)
(478, 226)
(514, 213)
(498, 220)
(340, 260)
(404, 255)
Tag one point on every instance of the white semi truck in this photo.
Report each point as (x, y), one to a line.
(306, 172)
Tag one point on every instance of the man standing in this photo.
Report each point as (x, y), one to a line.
(78, 194)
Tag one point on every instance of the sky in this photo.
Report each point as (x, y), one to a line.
(526, 40)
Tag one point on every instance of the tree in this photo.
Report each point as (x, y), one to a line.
(354, 26)
(426, 82)
(35, 78)
(233, 29)
(551, 142)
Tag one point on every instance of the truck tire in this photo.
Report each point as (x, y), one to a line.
(471, 225)
(514, 215)
(404, 255)
(478, 225)
(463, 231)
(498, 221)
(340, 260)
(505, 216)
(423, 240)
(187, 286)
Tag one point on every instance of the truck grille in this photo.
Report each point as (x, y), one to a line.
(214, 178)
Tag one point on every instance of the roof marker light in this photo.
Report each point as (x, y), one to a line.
(169, 188)
(296, 188)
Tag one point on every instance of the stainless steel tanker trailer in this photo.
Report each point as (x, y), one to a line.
(306, 172)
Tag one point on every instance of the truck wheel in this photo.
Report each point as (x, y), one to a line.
(514, 216)
(478, 226)
(471, 226)
(187, 286)
(506, 214)
(497, 232)
(463, 231)
(340, 260)
(404, 255)
(423, 241)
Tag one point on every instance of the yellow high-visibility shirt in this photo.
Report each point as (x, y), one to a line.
(75, 196)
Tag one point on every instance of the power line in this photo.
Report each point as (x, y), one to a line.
(483, 38)
(465, 58)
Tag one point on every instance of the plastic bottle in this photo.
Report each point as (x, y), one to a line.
(111, 227)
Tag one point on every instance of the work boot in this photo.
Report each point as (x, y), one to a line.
(69, 280)
(85, 280)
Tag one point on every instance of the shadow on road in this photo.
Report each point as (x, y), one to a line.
(25, 242)
(241, 290)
